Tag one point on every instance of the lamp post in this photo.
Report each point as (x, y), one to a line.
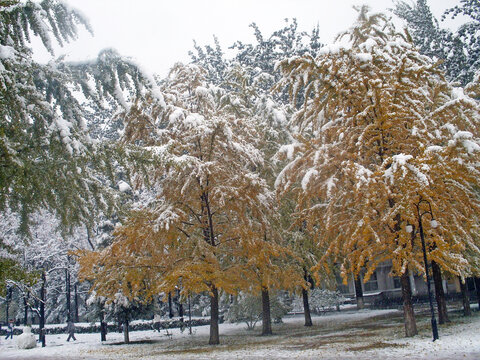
(409, 228)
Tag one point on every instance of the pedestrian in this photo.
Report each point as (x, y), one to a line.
(10, 329)
(71, 331)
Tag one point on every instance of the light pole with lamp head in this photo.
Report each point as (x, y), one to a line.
(434, 225)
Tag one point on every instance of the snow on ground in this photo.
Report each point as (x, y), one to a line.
(366, 334)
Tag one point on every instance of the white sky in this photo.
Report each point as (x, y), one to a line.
(159, 33)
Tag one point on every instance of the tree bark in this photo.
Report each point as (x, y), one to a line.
(76, 302)
(126, 335)
(306, 308)
(25, 309)
(465, 299)
(477, 286)
(214, 334)
(408, 313)
(359, 293)
(439, 294)
(103, 327)
(180, 307)
(266, 316)
(68, 296)
(7, 305)
(170, 307)
(41, 325)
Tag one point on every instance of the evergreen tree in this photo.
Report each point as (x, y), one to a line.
(467, 34)
(458, 50)
(46, 153)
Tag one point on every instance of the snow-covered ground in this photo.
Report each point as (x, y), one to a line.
(366, 334)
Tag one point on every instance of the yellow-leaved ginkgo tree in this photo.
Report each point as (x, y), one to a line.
(381, 135)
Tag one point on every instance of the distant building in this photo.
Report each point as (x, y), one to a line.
(383, 286)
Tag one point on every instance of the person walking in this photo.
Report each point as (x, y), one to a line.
(9, 330)
(71, 331)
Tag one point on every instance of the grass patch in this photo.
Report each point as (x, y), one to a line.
(375, 345)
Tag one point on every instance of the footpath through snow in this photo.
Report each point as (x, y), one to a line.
(367, 334)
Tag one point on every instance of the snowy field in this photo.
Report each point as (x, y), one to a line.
(367, 334)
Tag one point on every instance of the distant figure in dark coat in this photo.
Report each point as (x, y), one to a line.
(71, 331)
(10, 330)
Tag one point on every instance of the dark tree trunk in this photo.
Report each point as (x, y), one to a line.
(439, 294)
(408, 313)
(7, 305)
(25, 309)
(103, 326)
(359, 293)
(119, 324)
(76, 302)
(266, 316)
(41, 326)
(306, 308)
(465, 299)
(126, 336)
(180, 306)
(214, 334)
(306, 305)
(68, 296)
(477, 286)
(170, 306)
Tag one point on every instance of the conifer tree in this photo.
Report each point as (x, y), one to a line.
(381, 133)
(458, 49)
(46, 154)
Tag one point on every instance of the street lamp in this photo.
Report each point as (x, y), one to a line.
(434, 225)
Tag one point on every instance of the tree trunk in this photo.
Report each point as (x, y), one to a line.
(266, 316)
(103, 327)
(25, 309)
(76, 302)
(7, 305)
(477, 286)
(408, 313)
(41, 326)
(359, 293)
(306, 308)
(170, 307)
(439, 294)
(180, 306)
(126, 337)
(214, 334)
(119, 324)
(68, 296)
(465, 299)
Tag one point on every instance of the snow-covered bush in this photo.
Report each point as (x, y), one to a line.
(247, 308)
(322, 300)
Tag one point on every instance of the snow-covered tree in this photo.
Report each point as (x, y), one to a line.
(209, 205)
(458, 50)
(376, 119)
(45, 150)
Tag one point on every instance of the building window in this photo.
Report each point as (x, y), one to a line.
(372, 283)
(397, 284)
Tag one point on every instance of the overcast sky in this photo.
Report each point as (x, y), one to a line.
(159, 33)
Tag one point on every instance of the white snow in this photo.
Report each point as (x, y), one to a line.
(459, 340)
(364, 57)
(26, 340)
(7, 52)
(123, 186)
(308, 175)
